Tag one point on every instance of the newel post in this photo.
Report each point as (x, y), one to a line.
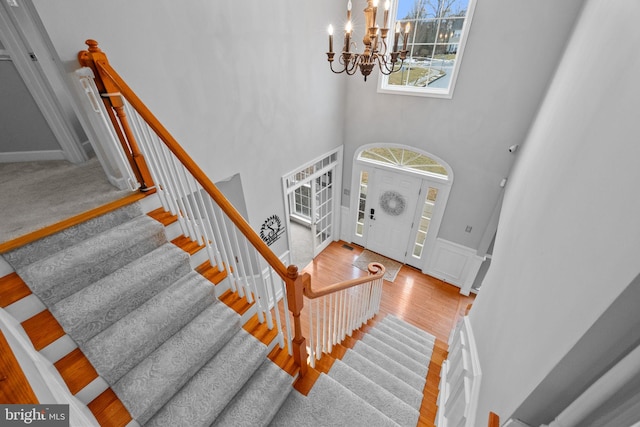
(295, 289)
(112, 99)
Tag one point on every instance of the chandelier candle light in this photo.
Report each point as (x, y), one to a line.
(375, 44)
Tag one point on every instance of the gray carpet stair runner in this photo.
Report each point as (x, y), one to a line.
(176, 356)
(376, 383)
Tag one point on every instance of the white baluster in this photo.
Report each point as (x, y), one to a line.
(312, 357)
(276, 309)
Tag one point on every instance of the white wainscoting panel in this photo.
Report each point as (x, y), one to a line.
(455, 264)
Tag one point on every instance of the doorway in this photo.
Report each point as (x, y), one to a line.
(310, 207)
(24, 43)
(399, 194)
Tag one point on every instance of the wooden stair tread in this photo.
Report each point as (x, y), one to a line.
(76, 370)
(432, 384)
(260, 330)
(14, 386)
(109, 410)
(211, 273)
(42, 329)
(162, 216)
(305, 384)
(281, 357)
(12, 289)
(187, 245)
(232, 300)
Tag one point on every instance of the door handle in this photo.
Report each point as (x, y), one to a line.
(372, 213)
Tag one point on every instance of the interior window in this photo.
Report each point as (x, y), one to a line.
(437, 32)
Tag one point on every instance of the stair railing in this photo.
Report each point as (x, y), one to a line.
(207, 217)
(460, 378)
(338, 310)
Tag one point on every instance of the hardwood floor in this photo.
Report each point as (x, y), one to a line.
(426, 302)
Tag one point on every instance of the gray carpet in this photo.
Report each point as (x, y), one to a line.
(37, 194)
(301, 244)
(150, 325)
(174, 355)
(375, 383)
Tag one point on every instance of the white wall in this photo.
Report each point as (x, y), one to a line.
(22, 125)
(511, 53)
(243, 86)
(568, 240)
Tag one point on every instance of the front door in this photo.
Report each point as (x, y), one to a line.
(391, 210)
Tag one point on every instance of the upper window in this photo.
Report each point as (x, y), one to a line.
(437, 32)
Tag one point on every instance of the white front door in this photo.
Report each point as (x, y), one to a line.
(391, 210)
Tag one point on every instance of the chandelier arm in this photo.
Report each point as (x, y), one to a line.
(353, 64)
(349, 67)
(384, 45)
(337, 72)
(384, 67)
(386, 71)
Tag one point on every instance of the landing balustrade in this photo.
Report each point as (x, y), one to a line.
(205, 216)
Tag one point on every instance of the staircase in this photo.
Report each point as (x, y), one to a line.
(377, 382)
(161, 348)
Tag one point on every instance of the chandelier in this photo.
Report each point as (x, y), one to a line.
(376, 50)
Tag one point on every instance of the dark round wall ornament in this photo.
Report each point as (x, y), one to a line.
(271, 229)
(392, 203)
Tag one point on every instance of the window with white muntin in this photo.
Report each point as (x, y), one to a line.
(437, 31)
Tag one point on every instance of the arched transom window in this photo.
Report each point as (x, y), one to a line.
(404, 158)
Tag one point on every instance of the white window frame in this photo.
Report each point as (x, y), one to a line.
(384, 87)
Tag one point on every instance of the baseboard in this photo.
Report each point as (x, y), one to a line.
(31, 156)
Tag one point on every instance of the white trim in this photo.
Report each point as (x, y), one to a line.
(460, 379)
(597, 394)
(337, 192)
(447, 180)
(5, 267)
(96, 123)
(31, 156)
(513, 422)
(42, 376)
(40, 78)
(455, 264)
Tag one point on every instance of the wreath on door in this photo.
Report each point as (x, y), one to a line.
(392, 203)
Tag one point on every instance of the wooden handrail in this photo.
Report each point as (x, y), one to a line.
(108, 74)
(115, 111)
(494, 420)
(112, 87)
(376, 271)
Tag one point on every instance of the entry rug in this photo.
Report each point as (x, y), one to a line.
(391, 267)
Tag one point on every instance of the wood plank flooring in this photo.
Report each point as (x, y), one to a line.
(424, 301)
